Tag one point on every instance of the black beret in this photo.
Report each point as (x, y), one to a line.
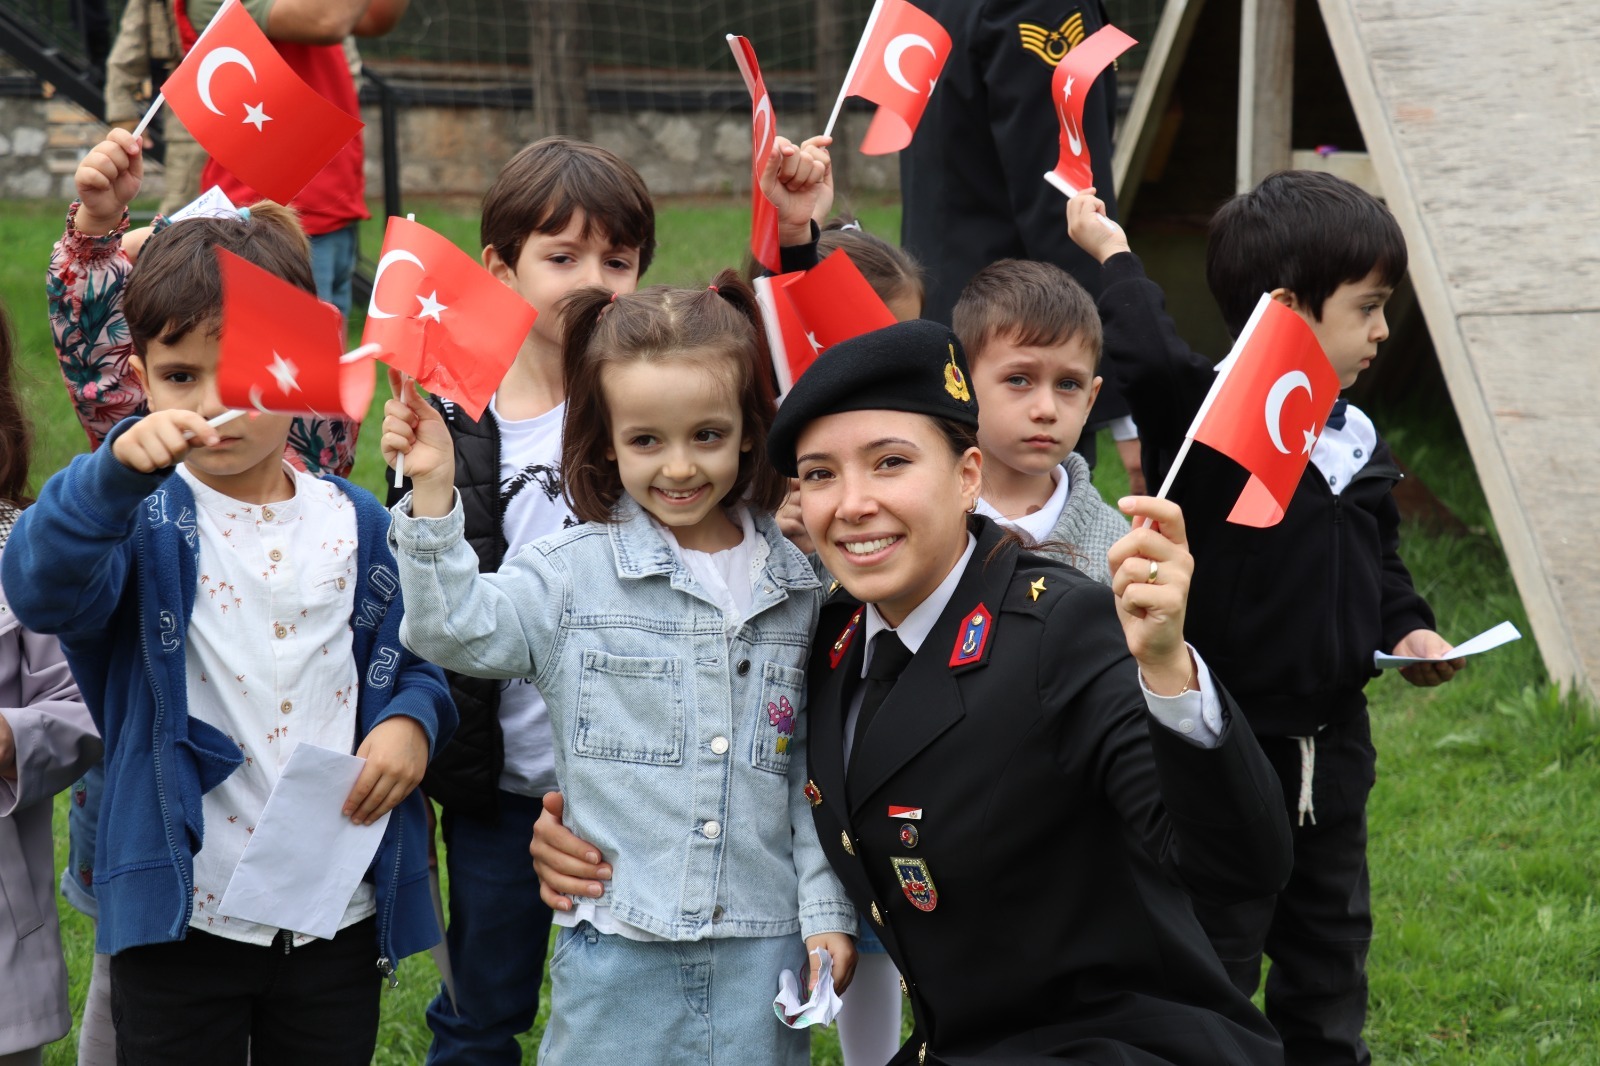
(915, 366)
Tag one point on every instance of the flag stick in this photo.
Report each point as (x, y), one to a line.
(855, 62)
(400, 457)
(155, 105)
(223, 418)
(366, 351)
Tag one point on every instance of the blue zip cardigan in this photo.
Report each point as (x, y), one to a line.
(107, 561)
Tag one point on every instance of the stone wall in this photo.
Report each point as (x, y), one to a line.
(458, 151)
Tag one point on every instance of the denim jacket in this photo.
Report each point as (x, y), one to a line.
(680, 743)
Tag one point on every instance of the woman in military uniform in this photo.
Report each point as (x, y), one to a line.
(1021, 793)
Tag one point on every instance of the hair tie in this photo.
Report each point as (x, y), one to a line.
(613, 298)
(853, 225)
(244, 214)
(714, 289)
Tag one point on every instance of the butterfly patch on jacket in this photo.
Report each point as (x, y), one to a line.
(781, 715)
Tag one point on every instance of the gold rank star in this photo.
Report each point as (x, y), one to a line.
(1035, 587)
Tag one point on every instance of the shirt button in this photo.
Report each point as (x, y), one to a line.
(267, 513)
(1333, 481)
(1358, 453)
(275, 555)
(712, 830)
(341, 584)
(743, 667)
(1186, 725)
(719, 745)
(279, 631)
(844, 838)
(286, 706)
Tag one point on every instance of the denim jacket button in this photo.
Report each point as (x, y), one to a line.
(719, 745)
(716, 914)
(712, 830)
(743, 667)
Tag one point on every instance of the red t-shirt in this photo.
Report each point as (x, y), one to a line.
(336, 197)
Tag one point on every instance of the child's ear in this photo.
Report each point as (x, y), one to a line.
(1094, 389)
(1286, 298)
(136, 367)
(497, 266)
(611, 454)
(746, 444)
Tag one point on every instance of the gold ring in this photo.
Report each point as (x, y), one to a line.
(1155, 568)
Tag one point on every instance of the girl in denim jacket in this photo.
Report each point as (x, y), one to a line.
(669, 636)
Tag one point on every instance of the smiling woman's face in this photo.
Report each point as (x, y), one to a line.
(885, 501)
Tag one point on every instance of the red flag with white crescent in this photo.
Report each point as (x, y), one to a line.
(280, 348)
(1069, 88)
(251, 112)
(440, 317)
(763, 128)
(836, 302)
(1267, 408)
(902, 52)
(792, 351)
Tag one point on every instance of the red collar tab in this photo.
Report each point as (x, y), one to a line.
(842, 645)
(973, 638)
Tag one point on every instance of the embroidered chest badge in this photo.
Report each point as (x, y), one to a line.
(813, 794)
(1052, 45)
(973, 638)
(915, 882)
(842, 645)
(781, 715)
(955, 382)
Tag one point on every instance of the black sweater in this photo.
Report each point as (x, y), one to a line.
(1287, 616)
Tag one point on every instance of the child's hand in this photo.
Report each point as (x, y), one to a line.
(1150, 572)
(397, 755)
(565, 864)
(1092, 234)
(160, 440)
(794, 179)
(108, 179)
(841, 947)
(789, 519)
(415, 430)
(1426, 644)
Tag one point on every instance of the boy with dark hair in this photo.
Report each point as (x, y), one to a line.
(1289, 615)
(218, 608)
(1032, 337)
(561, 215)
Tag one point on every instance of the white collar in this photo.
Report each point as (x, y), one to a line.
(919, 623)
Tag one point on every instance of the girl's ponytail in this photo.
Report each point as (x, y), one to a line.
(590, 486)
(767, 486)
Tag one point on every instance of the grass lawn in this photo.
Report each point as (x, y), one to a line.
(1483, 845)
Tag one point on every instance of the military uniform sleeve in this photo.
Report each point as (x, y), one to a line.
(1212, 817)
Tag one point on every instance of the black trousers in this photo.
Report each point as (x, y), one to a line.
(213, 1001)
(1317, 931)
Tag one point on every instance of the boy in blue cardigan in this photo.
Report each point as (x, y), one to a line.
(218, 608)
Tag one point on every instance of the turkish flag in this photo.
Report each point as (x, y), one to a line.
(1069, 88)
(896, 66)
(281, 346)
(1267, 408)
(763, 128)
(836, 302)
(792, 351)
(442, 318)
(251, 112)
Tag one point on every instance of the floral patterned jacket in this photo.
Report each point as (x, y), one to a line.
(85, 285)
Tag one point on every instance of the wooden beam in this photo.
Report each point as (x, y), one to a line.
(1266, 90)
(1355, 167)
(1515, 515)
(556, 32)
(1140, 128)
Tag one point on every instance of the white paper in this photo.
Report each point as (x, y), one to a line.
(1504, 633)
(306, 858)
(823, 1006)
(213, 203)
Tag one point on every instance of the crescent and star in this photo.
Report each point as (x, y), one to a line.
(1288, 383)
(215, 60)
(431, 307)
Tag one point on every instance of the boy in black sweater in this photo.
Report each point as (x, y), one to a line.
(1289, 615)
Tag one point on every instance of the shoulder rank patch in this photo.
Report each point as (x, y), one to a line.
(972, 639)
(1035, 587)
(915, 882)
(1052, 45)
(842, 645)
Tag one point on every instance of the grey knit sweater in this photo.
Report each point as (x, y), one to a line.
(1088, 525)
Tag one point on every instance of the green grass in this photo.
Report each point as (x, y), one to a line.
(1483, 847)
